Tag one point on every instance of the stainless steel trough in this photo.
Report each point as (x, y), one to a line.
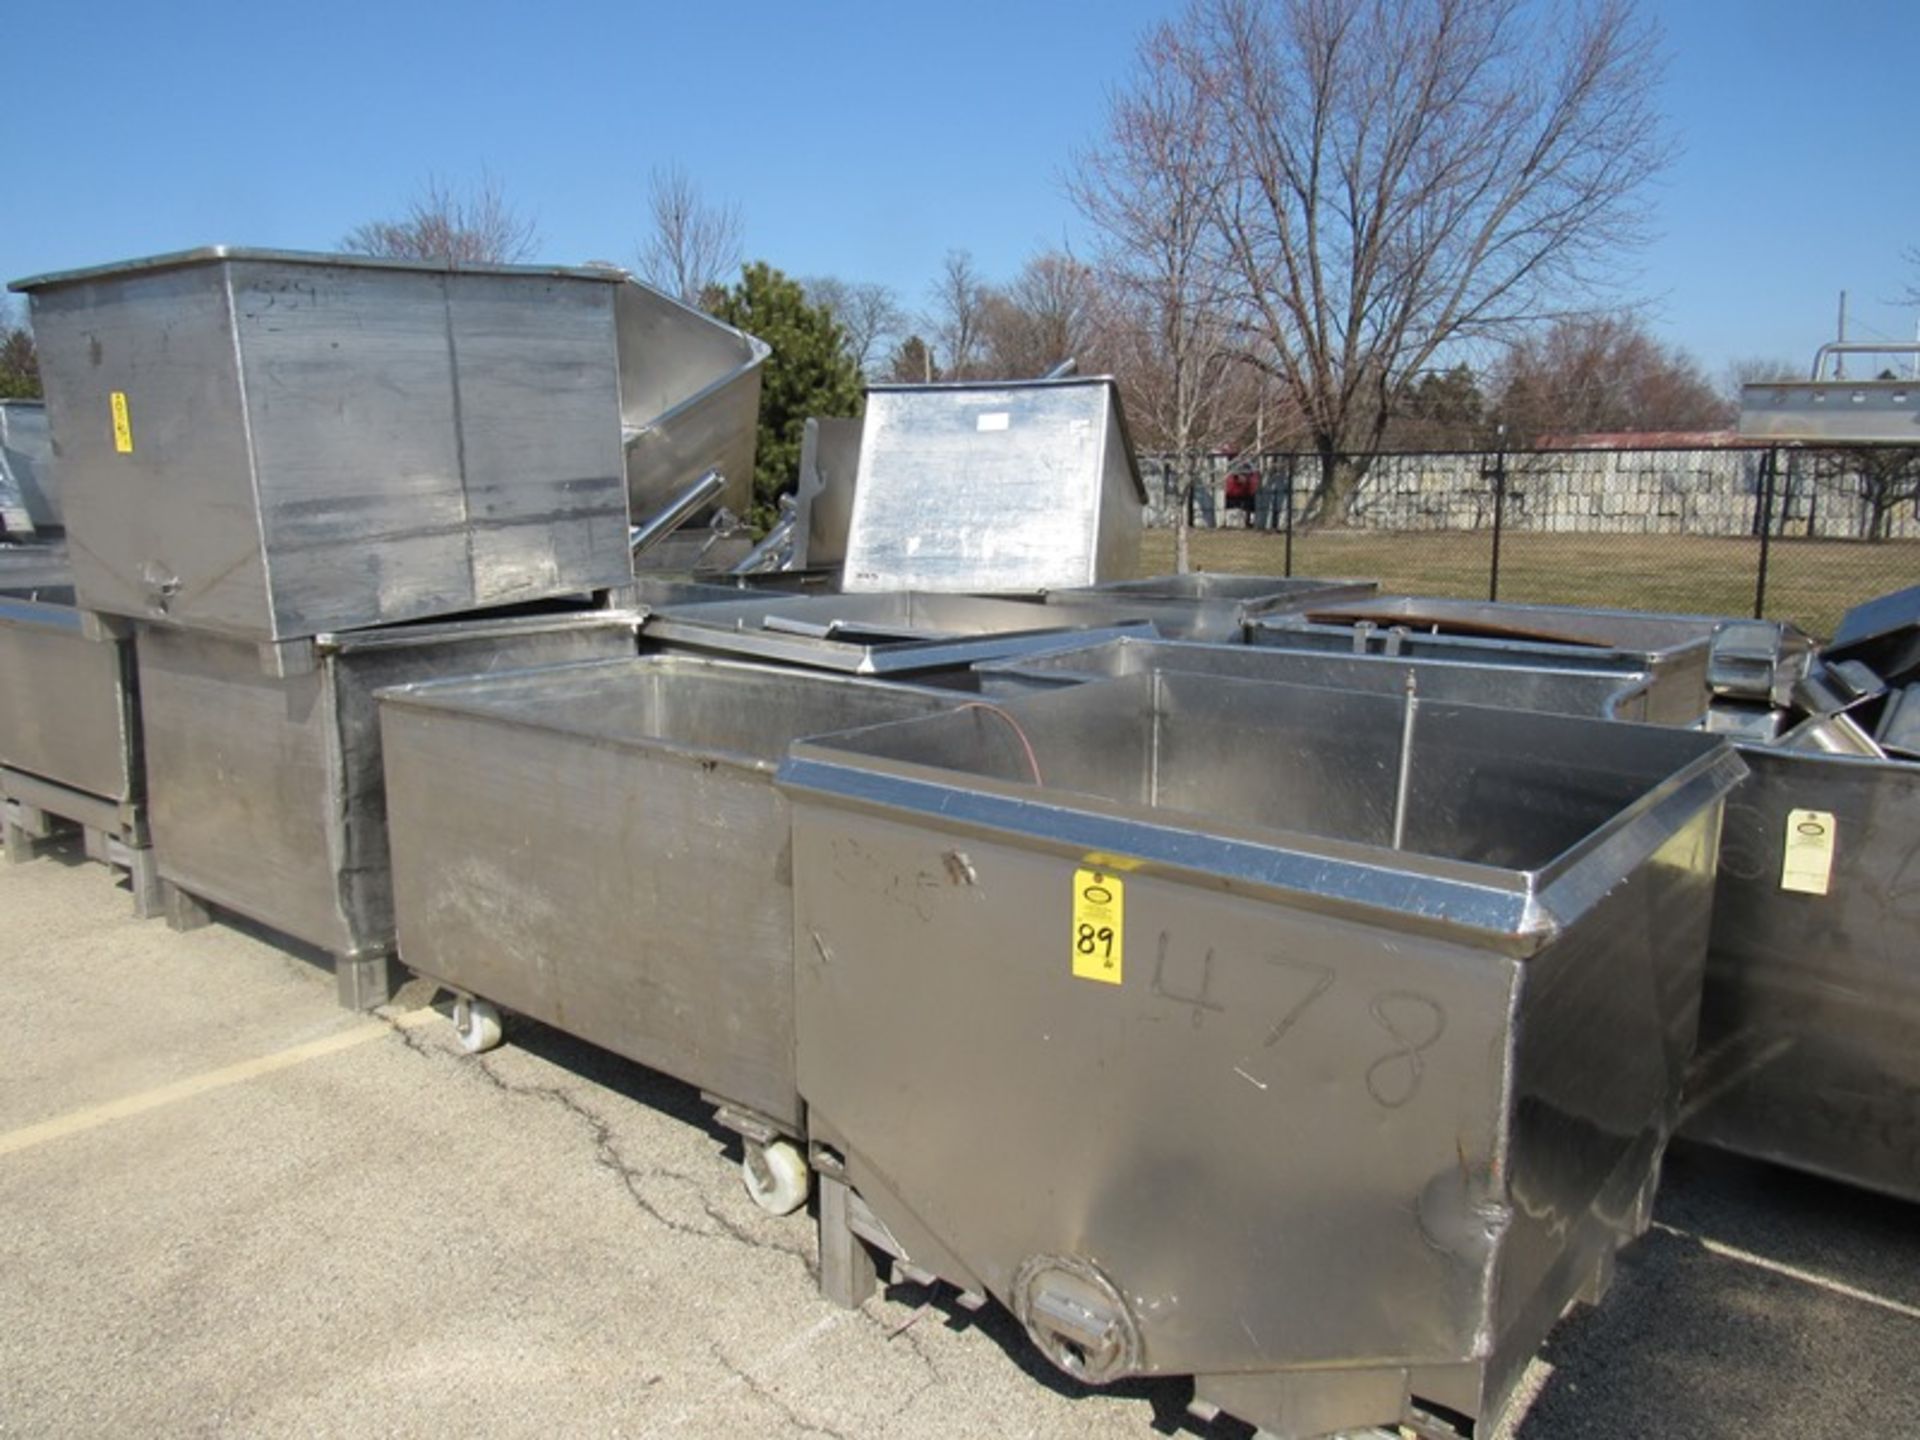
(265, 791)
(70, 732)
(1107, 1012)
(271, 445)
(932, 637)
(689, 399)
(601, 846)
(1011, 487)
(1207, 607)
(1598, 694)
(28, 571)
(1673, 649)
(1807, 1051)
(29, 500)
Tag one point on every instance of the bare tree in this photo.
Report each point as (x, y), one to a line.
(695, 245)
(1599, 374)
(868, 312)
(1051, 311)
(471, 225)
(1758, 370)
(959, 303)
(1153, 187)
(1408, 176)
(1884, 476)
(19, 361)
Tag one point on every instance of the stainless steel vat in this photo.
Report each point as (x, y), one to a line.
(1208, 607)
(601, 846)
(1595, 693)
(271, 445)
(265, 791)
(1807, 1051)
(30, 570)
(1020, 486)
(70, 734)
(689, 398)
(29, 501)
(928, 636)
(1177, 1057)
(1673, 649)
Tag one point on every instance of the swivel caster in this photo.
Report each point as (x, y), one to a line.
(777, 1176)
(477, 1024)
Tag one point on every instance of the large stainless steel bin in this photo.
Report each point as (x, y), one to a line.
(689, 399)
(1177, 1056)
(602, 847)
(271, 445)
(905, 633)
(1807, 1038)
(1208, 607)
(1673, 649)
(29, 499)
(1011, 486)
(70, 734)
(30, 571)
(265, 791)
(1601, 695)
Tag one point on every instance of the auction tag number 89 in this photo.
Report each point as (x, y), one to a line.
(1099, 925)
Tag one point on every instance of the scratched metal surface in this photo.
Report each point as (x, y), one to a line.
(1807, 1037)
(1015, 487)
(267, 796)
(327, 442)
(1397, 1109)
(601, 847)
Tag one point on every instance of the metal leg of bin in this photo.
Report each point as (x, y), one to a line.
(1600, 1279)
(143, 878)
(847, 1273)
(23, 825)
(96, 844)
(183, 911)
(367, 979)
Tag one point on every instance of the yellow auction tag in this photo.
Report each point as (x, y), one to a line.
(1807, 863)
(1099, 925)
(122, 426)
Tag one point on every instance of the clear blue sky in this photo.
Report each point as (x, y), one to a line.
(865, 140)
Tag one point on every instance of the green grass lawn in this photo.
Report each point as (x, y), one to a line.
(1810, 582)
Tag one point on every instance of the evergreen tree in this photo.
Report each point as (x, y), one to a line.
(809, 373)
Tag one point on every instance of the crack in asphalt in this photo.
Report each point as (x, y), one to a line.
(609, 1157)
(773, 1398)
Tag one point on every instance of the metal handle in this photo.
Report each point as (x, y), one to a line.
(1860, 347)
(676, 512)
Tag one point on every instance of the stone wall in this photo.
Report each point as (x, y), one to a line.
(1626, 492)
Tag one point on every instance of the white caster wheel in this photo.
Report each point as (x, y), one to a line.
(477, 1023)
(777, 1177)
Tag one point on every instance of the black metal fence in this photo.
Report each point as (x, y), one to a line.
(1788, 534)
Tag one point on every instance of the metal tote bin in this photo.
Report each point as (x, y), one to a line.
(1674, 649)
(1807, 1048)
(1598, 694)
(70, 732)
(265, 791)
(932, 637)
(602, 847)
(1123, 1007)
(1014, 486)
(1208, 607)
(271, 445)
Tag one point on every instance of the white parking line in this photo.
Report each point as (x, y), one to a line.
(79, 1121)
(1794, 1272)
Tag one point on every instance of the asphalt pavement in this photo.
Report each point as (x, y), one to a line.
(228, 1207)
